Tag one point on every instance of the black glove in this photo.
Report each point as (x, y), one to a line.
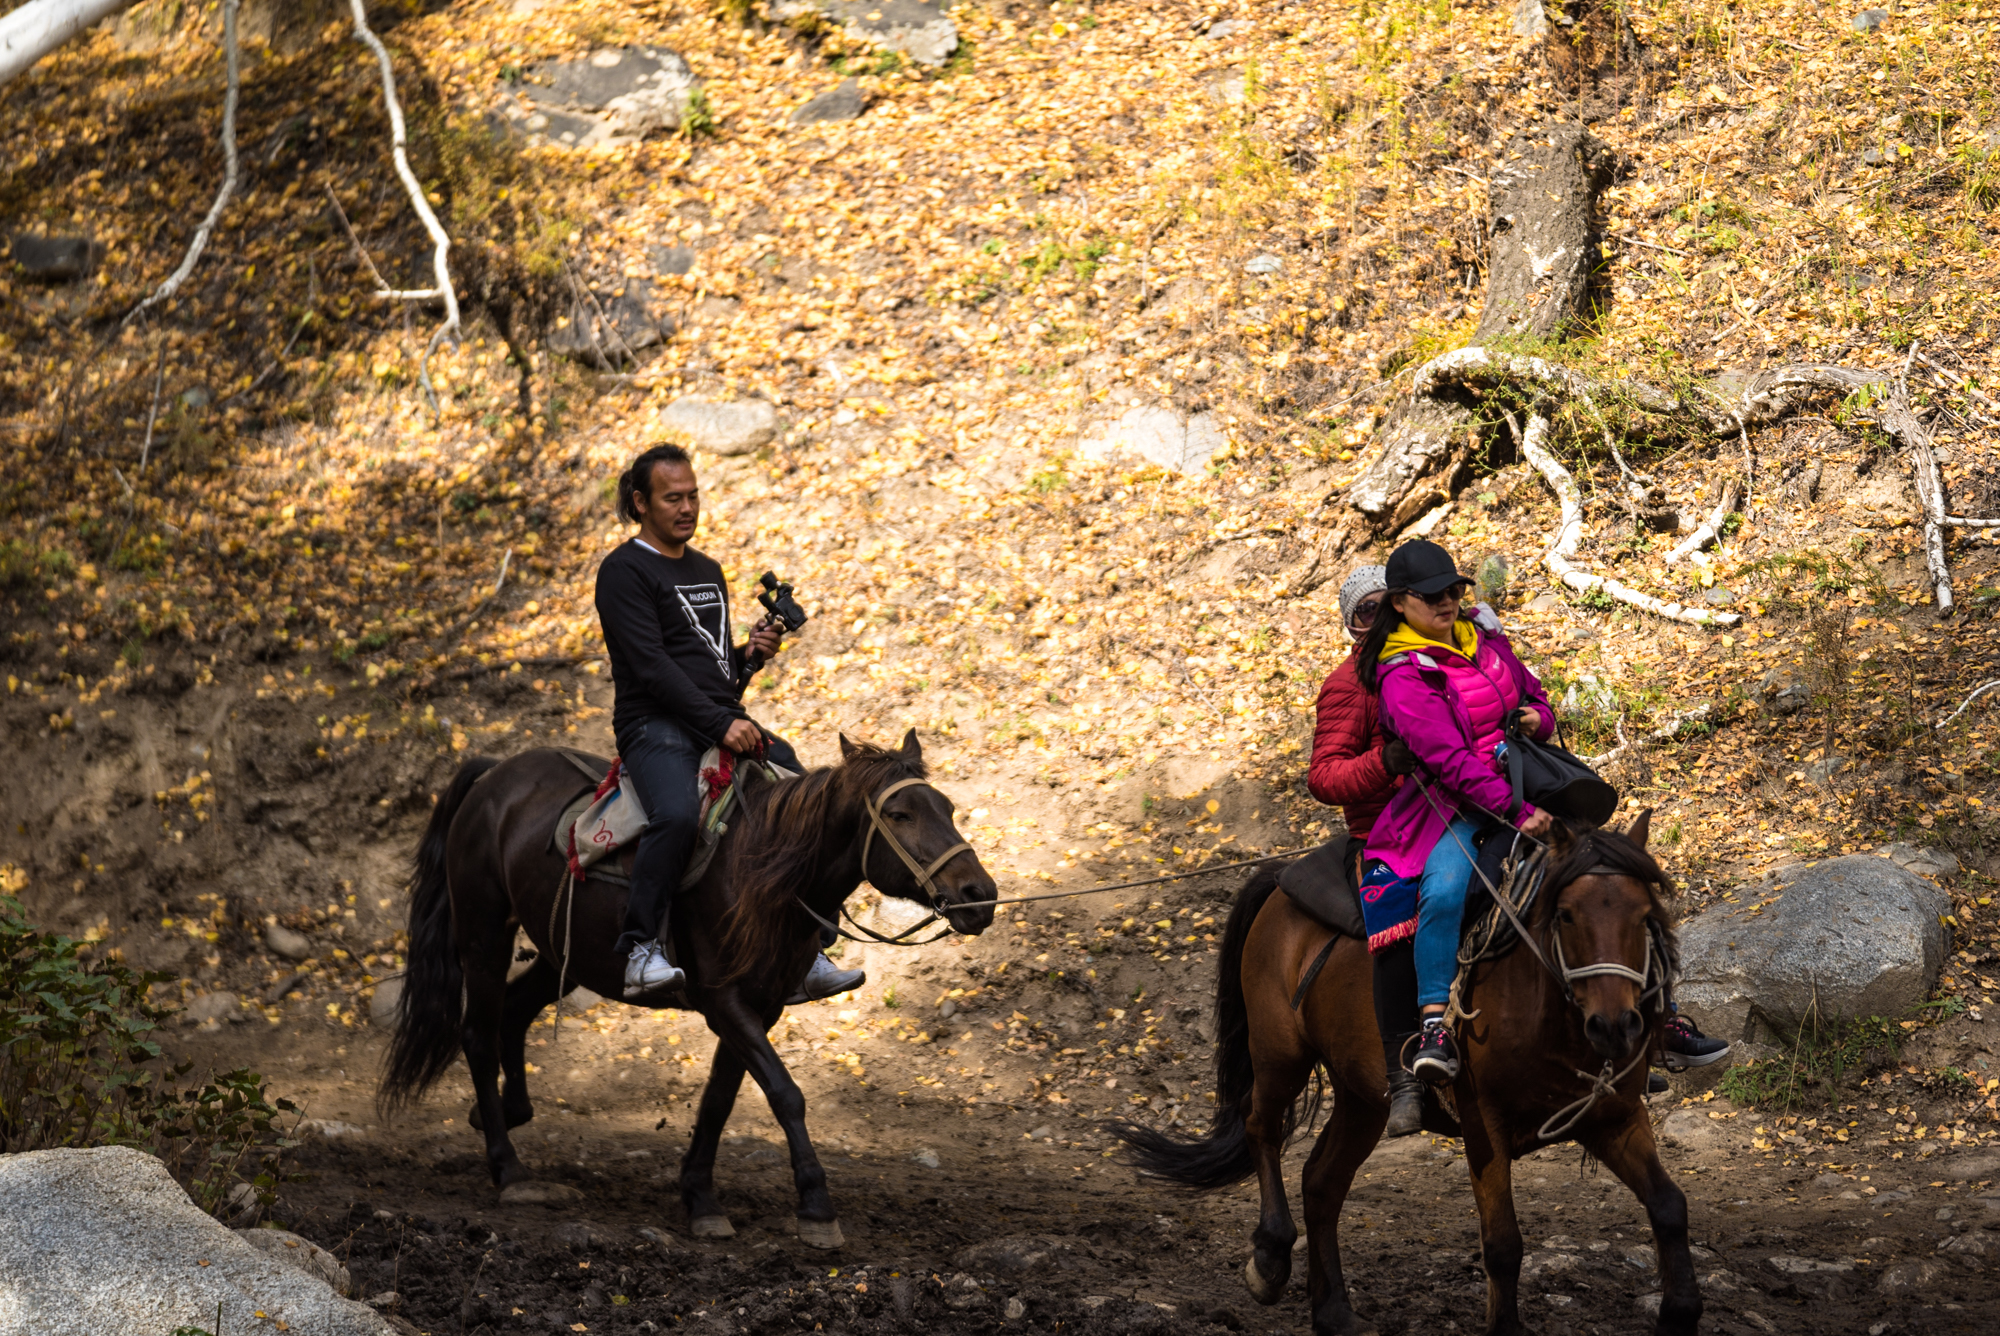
(1397, 758)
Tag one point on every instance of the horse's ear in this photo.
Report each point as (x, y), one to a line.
(1561, 839)
(847, 749)
(1640, 828)
(912, 749)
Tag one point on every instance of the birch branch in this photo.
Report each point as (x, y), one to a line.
(440, 242)
(202, 233)
(1665, 733)
(1710, 527)
(1977, 692)
(40, 26)
(1569, 530)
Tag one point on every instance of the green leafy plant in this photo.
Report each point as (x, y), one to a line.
(699, 118)
(79, 1067)
(1822, 1053)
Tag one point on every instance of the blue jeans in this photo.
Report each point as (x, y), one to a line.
(1441, 908)
(664, 762)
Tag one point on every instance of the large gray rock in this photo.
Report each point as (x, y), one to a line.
(103, 1242)
(1157, 435)
(915, 28)
(300, 1254)
(614, 95)
(1855, 936)
(734, 428)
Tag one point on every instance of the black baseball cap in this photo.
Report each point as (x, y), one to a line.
(1422, 567)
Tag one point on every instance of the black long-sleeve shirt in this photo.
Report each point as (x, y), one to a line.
(666, 625)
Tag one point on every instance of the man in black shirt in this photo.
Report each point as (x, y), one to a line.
(679, 679)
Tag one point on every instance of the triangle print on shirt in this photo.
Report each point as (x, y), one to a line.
(707, 609)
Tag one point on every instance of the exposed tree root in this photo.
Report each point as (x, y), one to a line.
(1569, 529)
(1710, 527)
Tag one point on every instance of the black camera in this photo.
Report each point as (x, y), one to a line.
(778, 601)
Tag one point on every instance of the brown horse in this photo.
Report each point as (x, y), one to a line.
(1551, 1052)
(745, 933)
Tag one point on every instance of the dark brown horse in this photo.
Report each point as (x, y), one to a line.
(1543, 1036)
(745, 933)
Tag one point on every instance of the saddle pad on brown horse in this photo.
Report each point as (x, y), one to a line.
(616, 869)
(1319, 886)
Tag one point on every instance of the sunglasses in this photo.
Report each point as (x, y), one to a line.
(1455, 594)
(1364, 612)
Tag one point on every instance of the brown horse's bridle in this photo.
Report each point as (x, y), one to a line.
(926, 876)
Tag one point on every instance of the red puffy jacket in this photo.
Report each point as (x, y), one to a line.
(1346, 769)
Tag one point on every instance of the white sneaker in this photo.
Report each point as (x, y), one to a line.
(647, 970)
(825, 979)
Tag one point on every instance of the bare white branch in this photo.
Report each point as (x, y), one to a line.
(441, 243)
(1710, 527)
(1569, 530)
(1977, 692)
(1665, 733)
(202, 233)
(40, 26)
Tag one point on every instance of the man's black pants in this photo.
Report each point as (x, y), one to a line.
(664, 761)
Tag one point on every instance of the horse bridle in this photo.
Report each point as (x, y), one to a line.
(926, 876)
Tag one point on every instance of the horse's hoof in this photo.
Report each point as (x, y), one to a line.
(533, 1192)
(820, 1233)
(1262, 1290)
(711, 1227)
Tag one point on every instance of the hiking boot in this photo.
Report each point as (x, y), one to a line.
(1436, 1061)
(647, 970)
(825, 979)
(1406, 1100)
(1685, 1046)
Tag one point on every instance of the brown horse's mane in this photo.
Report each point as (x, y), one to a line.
(1601, 846)
(775, 850)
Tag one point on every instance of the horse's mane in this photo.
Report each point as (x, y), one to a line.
(775, 850)
(1601, 846)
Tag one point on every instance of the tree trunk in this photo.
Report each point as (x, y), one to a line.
(40, 26)
(1538, 274)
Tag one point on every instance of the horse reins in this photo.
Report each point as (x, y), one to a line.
(1602, 1082)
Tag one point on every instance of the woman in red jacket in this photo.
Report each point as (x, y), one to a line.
(1358, 769)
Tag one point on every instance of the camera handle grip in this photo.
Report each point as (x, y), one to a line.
(753, 662)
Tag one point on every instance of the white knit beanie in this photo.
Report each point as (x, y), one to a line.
(1366, 580)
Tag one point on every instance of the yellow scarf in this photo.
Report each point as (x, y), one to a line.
(1406, 639)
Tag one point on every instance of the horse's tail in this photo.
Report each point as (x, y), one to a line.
(430, 1009)
(1223, 1156)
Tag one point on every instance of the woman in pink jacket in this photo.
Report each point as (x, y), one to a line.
(1448, 686)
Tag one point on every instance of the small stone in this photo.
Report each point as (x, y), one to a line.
(1530, 19)
(1264, 264)
(962, 1292)
(386, 1301)
(671, 261)
(1868, 20)
(1910, 1277)
(1158, 435)
(1547, 601)
(1874, 157)
(723, 428)
(211, 1008)
(1830, 1181)
(331, 1129)
(282, 941)
(385, 1006)
(927, 1158)
(1492, 576)
(198, 397)
(1017, 1254)
(1649, 1304)
(1719, 597)
(1934, 863)
(579, 1236)
(1805, 1266)
(1823, 770)
(1042, 1133)
(1225, 29)
(842, 102)
(51, 259)
(1016, 1309)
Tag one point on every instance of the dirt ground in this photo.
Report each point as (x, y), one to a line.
(1005, 1208)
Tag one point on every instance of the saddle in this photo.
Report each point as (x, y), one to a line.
(602, 824)
(1319, 885)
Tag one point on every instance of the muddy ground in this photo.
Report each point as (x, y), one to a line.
(990, 1201)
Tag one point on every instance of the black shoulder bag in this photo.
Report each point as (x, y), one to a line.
(1556, 780)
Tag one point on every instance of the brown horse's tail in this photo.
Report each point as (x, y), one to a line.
(428, 1015)
(1223, 1156)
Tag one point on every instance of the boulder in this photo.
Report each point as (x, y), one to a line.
(300, 1254)
(51, 259)
(613, 325)
(211, 1008)
(103, 1242)
(842, 102)
(1157, 435)
(613, 95)
(918, 29)
(1016, 1254)
(1933, 863)
(1855, 936)
(734, 428)
(387, 1001)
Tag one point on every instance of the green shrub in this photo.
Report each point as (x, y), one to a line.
(79, 1067)
(1821, 1055)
